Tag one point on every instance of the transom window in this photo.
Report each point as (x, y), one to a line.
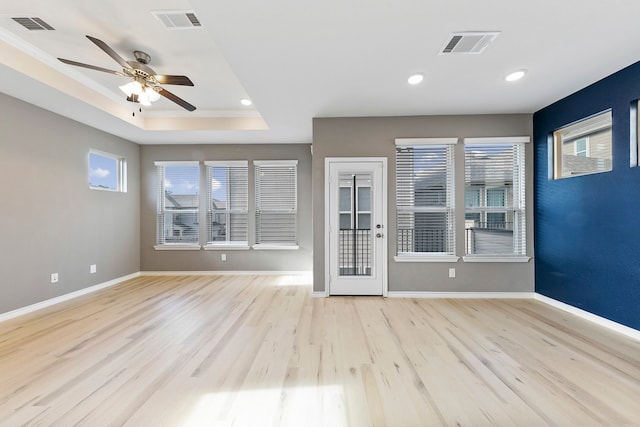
(584, 147)
(107, 171)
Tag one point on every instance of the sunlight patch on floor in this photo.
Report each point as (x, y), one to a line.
(304, 279)
(293, 406)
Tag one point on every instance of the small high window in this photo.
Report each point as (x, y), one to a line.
(107, 171)
(584, 147)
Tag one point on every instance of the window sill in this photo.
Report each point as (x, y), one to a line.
(177, 247)
(426, 258)
(276, 247)
(496, 258)
(227, 247)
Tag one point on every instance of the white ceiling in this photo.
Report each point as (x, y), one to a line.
(297, 60)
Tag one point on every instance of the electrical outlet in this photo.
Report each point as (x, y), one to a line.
(92, 269)
(54, 277)
(452, 273)
(223, 257)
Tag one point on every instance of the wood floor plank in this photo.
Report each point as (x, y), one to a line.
(257, 350)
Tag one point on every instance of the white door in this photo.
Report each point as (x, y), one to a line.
(355, 217)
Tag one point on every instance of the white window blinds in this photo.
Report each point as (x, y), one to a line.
(276, 202)
(178, 185)
(227, 203)
(425, 199)
(495, 196)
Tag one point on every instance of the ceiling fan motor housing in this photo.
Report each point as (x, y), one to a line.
(142, 57)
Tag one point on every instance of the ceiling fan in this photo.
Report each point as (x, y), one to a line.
(145, 87)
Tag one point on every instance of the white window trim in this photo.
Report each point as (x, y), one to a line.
(178, 247)
(226, 247)
(498, 140)
(177, 163)
(495, 258)
(228, 163)
(273, 246)
(275, 162)
(425, 141)
(428, 257)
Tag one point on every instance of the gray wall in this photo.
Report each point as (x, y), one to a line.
(50, 221)
(237, 260)
(375, 137)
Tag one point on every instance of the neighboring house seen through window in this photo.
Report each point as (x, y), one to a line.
(178, 192)
(227, 203)
(495, 196)
(584, 147)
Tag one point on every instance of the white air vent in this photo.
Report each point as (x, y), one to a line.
(468, 42)
(32, 24)
(178, 19)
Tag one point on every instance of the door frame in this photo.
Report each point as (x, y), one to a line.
(385, 207)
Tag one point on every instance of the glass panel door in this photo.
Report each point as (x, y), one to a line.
(355, 241)
(355, 226)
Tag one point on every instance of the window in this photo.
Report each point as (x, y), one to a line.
(635, 131)
(583, 147)
(425, 214)
(107, 171)
(227, 203)
(276, 203)
(360, 204)
(178, 185)
(495, 196)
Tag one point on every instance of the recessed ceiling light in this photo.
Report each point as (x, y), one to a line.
(516, 75)
(416, 78)
(246, 102)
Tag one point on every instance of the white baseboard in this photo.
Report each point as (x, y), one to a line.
(66, 297)
(226, 273)
(461, 295)
(614, 326)
(610, 324)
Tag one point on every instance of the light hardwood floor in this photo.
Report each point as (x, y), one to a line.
(259, 351)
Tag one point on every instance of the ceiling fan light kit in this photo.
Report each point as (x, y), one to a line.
(145, 87)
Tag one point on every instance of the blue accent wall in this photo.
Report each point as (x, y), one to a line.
(587, 228)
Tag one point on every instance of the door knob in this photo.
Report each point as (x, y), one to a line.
(378, 235)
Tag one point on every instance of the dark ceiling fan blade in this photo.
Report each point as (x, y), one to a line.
(181, 102)
(91, 67)
(112, 53)
(173, 80)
